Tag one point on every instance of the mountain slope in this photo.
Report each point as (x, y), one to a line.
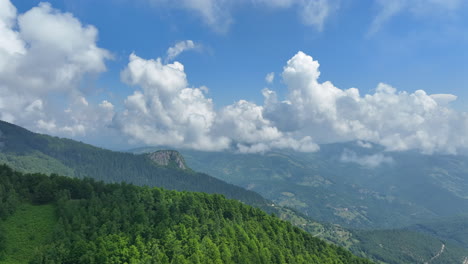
(122, 223)
(31, 152)
(453, 229)
(392, 195)
(279, 170)
(405, 246)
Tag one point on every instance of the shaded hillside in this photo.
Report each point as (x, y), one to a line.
(122, 223)
(405, 246)
(392, 195)
(453, 229)
(31, 152)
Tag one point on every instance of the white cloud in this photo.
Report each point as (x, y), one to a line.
(270, 77)
(37, 64)
(421, 8)
(166, 112)
(214, 13)
(387, 10)
(397, 120)
(218, 13)
(180, 47)
(315, 12)
(371, 161)
(443, 99)
(364, 144)
(45, 51)
(311, 12)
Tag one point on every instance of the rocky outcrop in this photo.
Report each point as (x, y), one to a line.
(170, 158)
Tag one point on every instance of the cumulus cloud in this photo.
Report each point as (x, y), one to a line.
(164, 110)
(396, 120)
(44, 52)
(389, 9)
(218, 13)
(371, 161)
(270, 77)
(180, 47)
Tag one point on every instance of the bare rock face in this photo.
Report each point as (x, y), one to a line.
(169, 158)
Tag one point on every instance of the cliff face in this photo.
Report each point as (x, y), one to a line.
(168, 158)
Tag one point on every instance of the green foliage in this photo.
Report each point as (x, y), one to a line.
(321, 185)
(30, 152)
(316, 184)
(2, 240)
(35, 161)
(453, 229)
(122, 223)
(26, 231)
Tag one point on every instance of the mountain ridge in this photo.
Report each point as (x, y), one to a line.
(31, 152)
(39, 153)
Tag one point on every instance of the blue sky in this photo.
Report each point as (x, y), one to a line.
(408, 44)
(409, 51)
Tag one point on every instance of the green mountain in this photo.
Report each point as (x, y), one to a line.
(30, 152)
(408, 189)
(405, 189)
(405, 246)
(453, 229)
(93, 222)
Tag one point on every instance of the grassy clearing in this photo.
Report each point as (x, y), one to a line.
(27, 230)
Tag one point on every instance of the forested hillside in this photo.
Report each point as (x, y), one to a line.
(453, 229)
(391, 193)
(30, 152)
(122, 223)
(405, 246)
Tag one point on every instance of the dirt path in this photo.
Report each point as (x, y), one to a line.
(438, 255)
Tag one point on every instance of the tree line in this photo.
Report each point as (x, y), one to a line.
(123, 223)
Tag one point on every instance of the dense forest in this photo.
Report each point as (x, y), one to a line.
(321, 184)
(96, 222)
(30, 152)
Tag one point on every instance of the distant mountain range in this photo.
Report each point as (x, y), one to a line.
(321, 187)
(348, 184)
